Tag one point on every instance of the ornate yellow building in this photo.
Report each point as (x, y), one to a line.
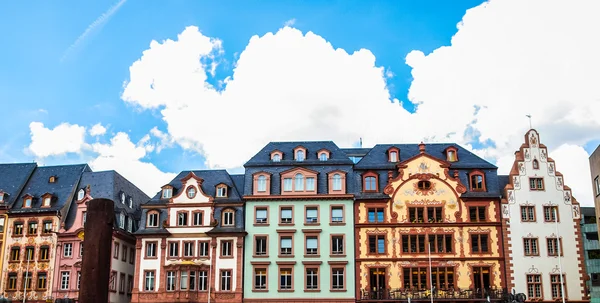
(427, 220)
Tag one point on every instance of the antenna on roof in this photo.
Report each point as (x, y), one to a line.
(529, 116)
(360, 142)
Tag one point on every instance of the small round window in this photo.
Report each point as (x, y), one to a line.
(191, 192)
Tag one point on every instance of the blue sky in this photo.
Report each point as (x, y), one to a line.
(50, 78)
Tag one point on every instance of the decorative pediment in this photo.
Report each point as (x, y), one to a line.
(276, 155)
(191, 190)
(323, 154)
(300, 153)
(189, 176)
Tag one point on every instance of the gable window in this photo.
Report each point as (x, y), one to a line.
(299, 179)
(299, 155)
(528, 213)
(27, 202)
(228, 216)
(167, 192)
(261, 184)
(424, 185)
(129, 225)
(451, 155)
(276, 158)
(393, 156)
(130, 202)
(122, 198)
(310, 184)
(52, 179)
(191, 192)
(182, 218)
(536, 164)
(477, 181)
(2, 197)
(152, 219)
(261, 215)
(287, 184)
(122, 221)
(536, 183)
(221, 191)
(337, 182)
(46, 201)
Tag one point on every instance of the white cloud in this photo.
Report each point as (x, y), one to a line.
(125, 157)
(64, 138)
(508, 58)
(572, 161)
(290, 22)
(97, 130)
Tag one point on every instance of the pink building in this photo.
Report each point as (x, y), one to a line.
(70, 245)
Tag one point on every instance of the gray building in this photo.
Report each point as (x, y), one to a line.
(591, 247)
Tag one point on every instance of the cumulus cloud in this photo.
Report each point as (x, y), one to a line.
(572, 161)
(64, 138)
(126, 158)
(508, 59)
(97, 130)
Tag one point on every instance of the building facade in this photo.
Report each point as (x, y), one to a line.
(595, 174)
(70, 245)
(427, 217)
(591, 247)
(299, 221)
(542, 228)
(33, 221)
(190, 241)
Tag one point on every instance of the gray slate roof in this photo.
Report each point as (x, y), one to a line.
(211, 178)
(263, 157)
(12, 180)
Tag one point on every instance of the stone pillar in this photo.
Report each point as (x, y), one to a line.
(95, 272)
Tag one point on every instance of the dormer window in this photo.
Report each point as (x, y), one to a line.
(370, 182)
(296, 181)
(80, 194)
(261, 184)
(46, 201)
(191, 192)
(1, 197)
(122, 221)
(27, 202)
(276, 156)
(152, 219)
(393, 153)
(477, 179)
(52, 179)
(222, 190)
(228, 217)
(299, 155)
(130, 202)
(536, 164)
(337, 184)
(122, 198)
(299, 179)
(323, 157)
(451, 154)
(167, 192)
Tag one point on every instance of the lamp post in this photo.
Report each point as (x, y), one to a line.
(562, 283)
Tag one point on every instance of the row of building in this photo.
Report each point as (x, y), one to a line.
(307, 222)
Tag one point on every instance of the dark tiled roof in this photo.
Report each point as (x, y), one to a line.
(223, 230)
(162, 217)
(110, 185)
(263, 157)
(356, 151)
(238, 181)
(62, 190)
(211, 179)
(503, 180)
(13, 178)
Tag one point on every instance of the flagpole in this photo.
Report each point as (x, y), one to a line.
(26, 276)
(430, 273)
(562, 283)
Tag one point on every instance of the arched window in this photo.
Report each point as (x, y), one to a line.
(276, 158)
(323, 157)
(80, 194)
(191, 192)
(393, 156)
(370, 182)
(299, 155)
(122, 198)
(299, 179)
(262, 184)
(536, 164)
(337, 182)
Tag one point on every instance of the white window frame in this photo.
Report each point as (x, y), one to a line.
(68, 250)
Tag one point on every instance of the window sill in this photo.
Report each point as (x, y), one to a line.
(337, 255)
(285, 290)
(260, 256)
(312, 224)
(312, 256)
(338, 290)
(285, 256)
(312, 290)
(226, 257)
(286, 224)
(261, 224)
(150, 258)
(337, 223)
(260, 290)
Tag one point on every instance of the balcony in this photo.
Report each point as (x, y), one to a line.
(451, 295)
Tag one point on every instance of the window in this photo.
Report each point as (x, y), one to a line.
(18, 229)
(182, 218)
(47, 227)
(312, 215)
(203, 280)
(15, 254)
(64, 280)
(121, 283)
(312, 245)
(312, 278)
(286, 216)
(1, 224)
(337, 245)
(228, 218)
(442, 277)
(81, 249)
(12, 281)
(225, 280)
(131, 255)
(68, 250)
(78, 279)
(323, 157)
(416, 214)
(528, 213)
(375, 215)
(221, 191)
(299, 155)
(261, 215)
(337, 278)
(44, 253)
(441, 243)
(130, 200)
(122, 221)
(173, 249)
(197, 218)
(151, 249)
(27, 280)
(556, 283)
(32, 228)
(226, 248)
(337, 214)
(370, 183)
(530, 247)
(122, 198)
(477, 183)
(597, 185)
(27, 203)
(310, 184)
(479, 243)
(287, 184)
(299, 179)
(412, 244)
(536, 183)
(191, 192)
(415, 278)
(536, 164)
(477, 214)
(170, 280)
(337, 182)
(285, 278)
(42, 280)
(260, 246)
(203, 248)
(451, 156)
(285, 246)
(550, 213)
(553, 248)
(434, 214)
(152, 220)
(276, 158)
(262, 184)
(188, 249)
(167, 193)
(424, 185)
(1, 197)
(84, 218)
(377, 244)
(129, 224)
(149, 280)
(393, 156)
(46, 202)
(534, 286)
(116, 250)
(29, 253)
(183, 280)
(193, 280)
(260, 278)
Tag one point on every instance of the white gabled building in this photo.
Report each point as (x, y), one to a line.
(535, 194)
